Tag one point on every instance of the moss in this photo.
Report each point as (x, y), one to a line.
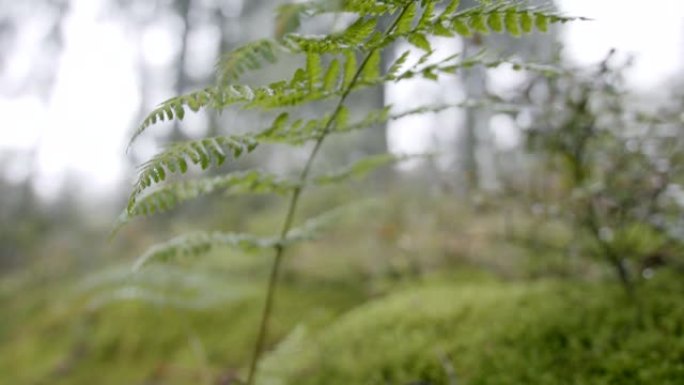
(53, 337)
(496, 333)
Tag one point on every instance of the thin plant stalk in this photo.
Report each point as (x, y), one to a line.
(291, 211)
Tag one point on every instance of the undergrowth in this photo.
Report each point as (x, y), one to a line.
(547, 332)
(336, 64)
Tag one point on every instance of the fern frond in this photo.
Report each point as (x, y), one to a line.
(170, 195)
(199, 243)
(309, 85)
(512, 18)
(288, 16)
(349, 67)
(314, 70)
(173, 194)
(210, 298)
(352, 37)
(419, 40)
(384, 115)
(163, 285)
(175, 159)
(405, 22)
(359, 169)
(313, 227)
(372, 70)
(247, 57)
(332, 76)
(216, 97)
(174, 108)
(365, 7)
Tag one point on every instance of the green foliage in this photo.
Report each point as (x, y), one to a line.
(163, 324)
(175, 159)
(446, 333)
(336, 65)
(248, 57)
(616, 165)
(201, 243)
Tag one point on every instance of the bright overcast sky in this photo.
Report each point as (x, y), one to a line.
(83, 128)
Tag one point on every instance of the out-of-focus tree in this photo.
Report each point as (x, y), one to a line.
(476, 149)
(618, 168)
(198, 32)
(30, 41)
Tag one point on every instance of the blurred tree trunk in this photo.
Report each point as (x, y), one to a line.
(476, 146)
(181, 77)
(476, 120)
(375, 139)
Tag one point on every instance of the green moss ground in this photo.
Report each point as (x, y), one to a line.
(464, 329)
(495, 333)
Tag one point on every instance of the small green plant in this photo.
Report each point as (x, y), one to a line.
(616, 164)
(336, 65)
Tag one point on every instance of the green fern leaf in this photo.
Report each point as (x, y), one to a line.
(170, 195)
(461, 27)
(419, 40)
(342, 118)
(248, 57)
(313, 227)
(365, 7)
(541, 21)
(201, 152)
(331, 76)
(278, 124)
(371, 70)
(314, 70)
(396, 66)
(526, 23)
(288, 19)
(513, 23)
(358, 169)
(426, 17)
(405, 22)
(495, 21)
(349, 67)
(449, 9)
(439, 30)
(478, 24)
(174, 107)
(352, 37)
(359, 31)
(200, 243)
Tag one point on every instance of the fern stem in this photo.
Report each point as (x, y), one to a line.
(292, 209)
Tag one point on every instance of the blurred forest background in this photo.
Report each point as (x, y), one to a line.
(543, 242)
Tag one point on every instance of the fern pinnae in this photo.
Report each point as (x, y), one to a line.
(360, 168)
(314, 70)
(405, 22)
(248, 57)
(349, 41)
(170, 195)
(336, 65)
(202, 242)
(198, 243)
(331, 76)
(174, 108)
(202, 152)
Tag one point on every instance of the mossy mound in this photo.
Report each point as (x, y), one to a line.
(51, 334)
(495, 333)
